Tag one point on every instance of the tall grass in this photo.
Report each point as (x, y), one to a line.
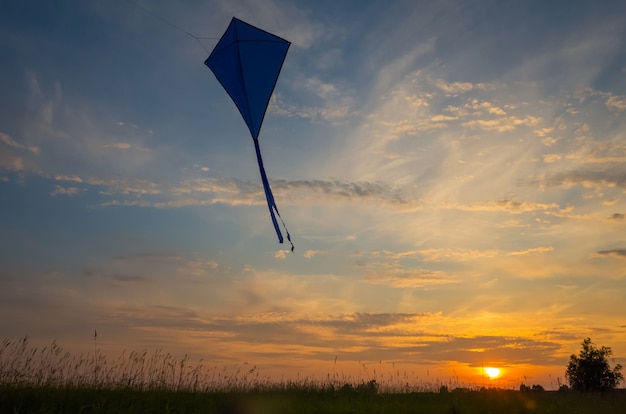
(50, 366)
(22, 364)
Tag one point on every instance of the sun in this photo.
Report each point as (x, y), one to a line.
(492, 373)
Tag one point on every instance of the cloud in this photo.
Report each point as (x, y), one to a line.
(479, 107)
(309, 254)
(118, 277)
(338, 189)
(616, 102)
(534, 250)
(549, 141)
(592, 151)
(416, 104)
(551, 158)
(134, 191)
(72, 178)
(397, 255)
(197, 268)
(462, 255)
(621, 253)
(11, 162)
(119, 145)
(207, 191)
(202, 168)
(17, 157)
(408, 278)
(149, 256)
(474, 350)
(7, 140)
(318, 190)
(360, 336)
(456, 255)
(60, 190)
(312, 336)
(362, 321)
(334, 104)
(457, 88)
(295, 333)
(65, 135)
(510, 206)
(513, 224)
(133, 187)
(502, 124)
(542, 132)
(586, 178)
(391, 268)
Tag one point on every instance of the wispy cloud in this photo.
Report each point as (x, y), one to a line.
(462, 255)
(11, 162)
(616, 102)
(533, 250)
(72, 178)
(60, 190)
(118, 277)
(621, 253)
(397, 277)
(207, 191)
(585, 178)
(7, 140)
(457, 88)
(309, 254)
(456, 255)
(502, 124)
(510, 206)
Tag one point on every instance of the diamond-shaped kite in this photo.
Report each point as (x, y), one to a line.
(247, 62)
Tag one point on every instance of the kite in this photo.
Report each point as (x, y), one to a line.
(247, 62)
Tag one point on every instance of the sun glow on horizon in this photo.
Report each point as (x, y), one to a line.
(492, 373)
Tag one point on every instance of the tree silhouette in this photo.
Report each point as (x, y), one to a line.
(590, 370)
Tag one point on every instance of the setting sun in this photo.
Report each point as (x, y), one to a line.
(492, 373)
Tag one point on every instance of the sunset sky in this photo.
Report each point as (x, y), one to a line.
(452, 173)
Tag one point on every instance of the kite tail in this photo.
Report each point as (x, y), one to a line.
(271, 204)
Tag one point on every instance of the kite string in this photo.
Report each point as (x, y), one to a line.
(172, 25)
(199, 42)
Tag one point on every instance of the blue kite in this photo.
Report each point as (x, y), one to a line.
(247, 62)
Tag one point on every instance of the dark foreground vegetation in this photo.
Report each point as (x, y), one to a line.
(49, 380)
(302, 400)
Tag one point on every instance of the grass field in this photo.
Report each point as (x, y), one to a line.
(48, 380)
(301, 400)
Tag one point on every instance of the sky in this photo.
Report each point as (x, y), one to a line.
(452, 173)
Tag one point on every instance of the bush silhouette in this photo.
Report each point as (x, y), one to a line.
(590, 370)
